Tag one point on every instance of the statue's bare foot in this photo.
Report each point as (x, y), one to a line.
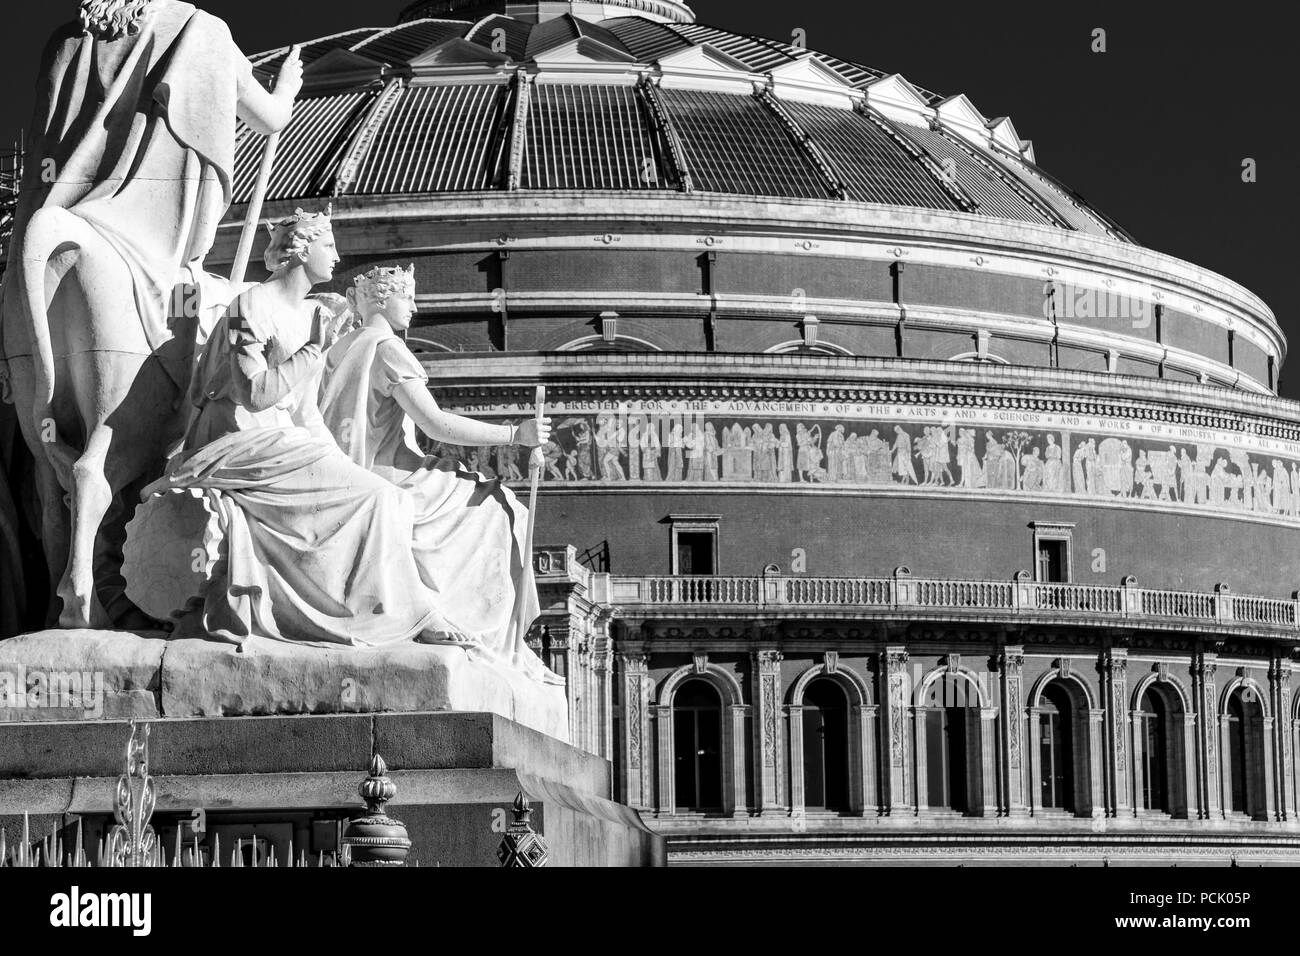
(441, 631)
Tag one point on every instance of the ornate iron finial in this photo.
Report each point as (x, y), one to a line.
(374, 838)
(522, 846)
(132, 841)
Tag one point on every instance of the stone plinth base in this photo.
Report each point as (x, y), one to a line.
(78, 675)
(288, 778)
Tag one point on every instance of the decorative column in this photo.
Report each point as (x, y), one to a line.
(866, 721)
(1096, 745)
(1190, 765)
(920, 772)
(734, 798)
(1208, 803)
(1011, 662)
(1279, 678)
(768, 780)
(1271, 807)
(666, 765)
(602, 667)
(1114, 685)
(795, 712)
(989, 760)
(1137, 779)
(894, 729)
(638, 772)
(1224, 766)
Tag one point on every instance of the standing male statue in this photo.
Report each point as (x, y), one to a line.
(128, 175)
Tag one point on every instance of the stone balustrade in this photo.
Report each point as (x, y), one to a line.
(1080, 604)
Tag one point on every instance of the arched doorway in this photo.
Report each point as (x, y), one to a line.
(825, 746)
(1244, 753)
(952, 745)
(1158, 751)
(697, 747)
(1056, 731)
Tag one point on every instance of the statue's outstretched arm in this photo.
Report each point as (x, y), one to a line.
(443, 426)
(269, 112)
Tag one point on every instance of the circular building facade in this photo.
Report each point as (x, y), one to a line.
(895, 490)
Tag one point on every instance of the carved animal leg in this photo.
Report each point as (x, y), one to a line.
(55, 529)
(91, 497)
(41, 438)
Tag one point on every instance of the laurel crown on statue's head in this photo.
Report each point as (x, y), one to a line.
(382, 282)
(292, 236)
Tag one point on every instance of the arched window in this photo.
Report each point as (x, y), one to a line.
(598, 343)
(952, 745)
(802, 348)
(1055, 741)
(1154, 737)
(697, 746)
(1245, 753)
(826, 746)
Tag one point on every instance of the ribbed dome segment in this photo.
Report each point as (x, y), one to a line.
(480, 99)
(672, 11)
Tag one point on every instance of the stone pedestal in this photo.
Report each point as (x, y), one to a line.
(457, 776)
(80, 675)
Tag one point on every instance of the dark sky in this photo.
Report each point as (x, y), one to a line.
(1153, 131)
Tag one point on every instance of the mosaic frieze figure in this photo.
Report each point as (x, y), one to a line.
(700, 448)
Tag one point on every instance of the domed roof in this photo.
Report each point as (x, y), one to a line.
(462, 96)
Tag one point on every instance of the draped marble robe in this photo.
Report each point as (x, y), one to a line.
(140, 132)
(317, 549)
(469, 532)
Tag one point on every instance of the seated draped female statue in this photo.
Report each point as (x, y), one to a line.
(316, 548)
(469, 532)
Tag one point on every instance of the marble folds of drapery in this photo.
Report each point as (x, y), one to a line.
(469, 532)
(315, 549)
(137, 137)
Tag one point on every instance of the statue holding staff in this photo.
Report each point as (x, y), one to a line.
(469, 535)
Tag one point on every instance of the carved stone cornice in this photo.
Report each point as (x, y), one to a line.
(577, 377)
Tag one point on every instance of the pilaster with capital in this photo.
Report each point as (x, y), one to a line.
(1096, 747)
(1114, 683)
(894, 698)
(1011, 662)
(1279, 680)
(989, 761)
(769, 750)
(638, 754)
(1208, 804)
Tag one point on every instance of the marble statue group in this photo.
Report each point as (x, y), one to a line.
(293, 417)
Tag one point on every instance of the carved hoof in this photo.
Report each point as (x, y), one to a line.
(80, 612)
(134, 619)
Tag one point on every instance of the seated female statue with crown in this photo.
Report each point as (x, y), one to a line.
(469, 532)
(314, 547)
